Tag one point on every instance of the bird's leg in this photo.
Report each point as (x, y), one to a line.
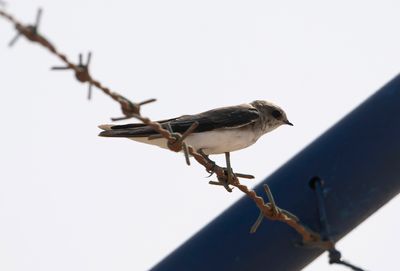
(229, 171)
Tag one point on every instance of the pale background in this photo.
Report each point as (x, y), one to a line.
(70, 200)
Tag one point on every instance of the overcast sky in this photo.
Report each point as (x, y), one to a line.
(70, 200)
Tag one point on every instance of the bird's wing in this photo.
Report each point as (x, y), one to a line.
(220, 118)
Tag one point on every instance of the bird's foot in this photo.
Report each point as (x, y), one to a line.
(232, 176)
(224, 180)
(229, 177)
(212, 168)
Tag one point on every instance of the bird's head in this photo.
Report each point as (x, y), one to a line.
(273, 115)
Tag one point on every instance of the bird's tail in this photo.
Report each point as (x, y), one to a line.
(105, 127)
(127, 130)
(108, 131)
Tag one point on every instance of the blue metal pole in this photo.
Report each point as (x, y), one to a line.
(359, 161)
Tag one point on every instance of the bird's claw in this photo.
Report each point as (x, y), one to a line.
(228, 178)
(211, 173)
(212, 169)
(225, 180)
(229, 175)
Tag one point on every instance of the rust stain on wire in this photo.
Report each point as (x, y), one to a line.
(176, 141)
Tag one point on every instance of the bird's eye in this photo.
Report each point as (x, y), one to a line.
(276, 114)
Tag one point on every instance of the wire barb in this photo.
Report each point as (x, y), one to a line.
(38, 18)
(130, 109)
(258, 222)
(81, 71)
(271, 199)
(14, 40)
(29, 31)
(147, 101)
(177, 143)
(274, 211)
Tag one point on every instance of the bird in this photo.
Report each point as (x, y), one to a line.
(220, 130)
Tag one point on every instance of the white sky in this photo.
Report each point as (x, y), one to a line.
(70, 200)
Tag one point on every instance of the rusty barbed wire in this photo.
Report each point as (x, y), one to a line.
(31, 32)
(176, 141)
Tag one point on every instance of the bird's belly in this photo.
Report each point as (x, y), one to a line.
(212, 142)
(221, 141)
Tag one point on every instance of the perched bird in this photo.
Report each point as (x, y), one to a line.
(220, 130)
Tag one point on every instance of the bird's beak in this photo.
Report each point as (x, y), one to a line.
(288, 123)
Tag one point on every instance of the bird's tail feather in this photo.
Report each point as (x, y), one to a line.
(121, 131)
(116, 133)
(105, 127)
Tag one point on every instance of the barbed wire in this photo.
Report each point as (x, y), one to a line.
(176, 141)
